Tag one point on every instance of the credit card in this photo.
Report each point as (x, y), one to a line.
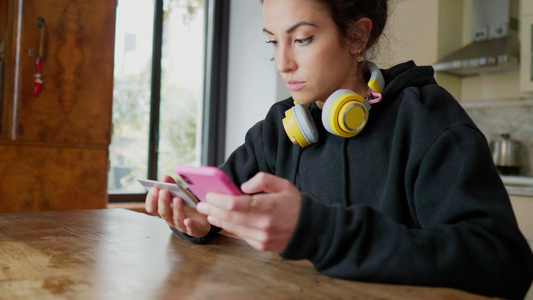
(173, 188)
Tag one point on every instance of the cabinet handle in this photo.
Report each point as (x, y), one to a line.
(40, 23)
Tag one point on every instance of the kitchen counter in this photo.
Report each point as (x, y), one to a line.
(518, 185)
(513, 116)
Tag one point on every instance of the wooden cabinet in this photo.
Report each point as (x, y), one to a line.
(42, 178)
(54, 146)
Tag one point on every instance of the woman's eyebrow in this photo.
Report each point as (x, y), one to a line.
(292, 28)
(267, 32)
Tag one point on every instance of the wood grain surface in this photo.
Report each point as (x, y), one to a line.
(46, 178)
(120, 254)
(74, 106)
(54, 146)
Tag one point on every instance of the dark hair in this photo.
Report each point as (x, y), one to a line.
(346, 12)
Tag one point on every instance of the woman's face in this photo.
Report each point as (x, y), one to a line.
(308, 50)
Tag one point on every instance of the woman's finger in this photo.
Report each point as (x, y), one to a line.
(178, 214)
(225, 204)
(265, 182)
(245, 232)
(163, 207)
(190, 227)
(259, 203)
(229, 202)
(168, 179)
(258, 221)
(217, 209)
(152, 197)
(151, 201)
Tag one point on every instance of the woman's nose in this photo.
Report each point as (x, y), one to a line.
(285, 62)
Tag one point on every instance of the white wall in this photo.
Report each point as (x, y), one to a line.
(252, 79)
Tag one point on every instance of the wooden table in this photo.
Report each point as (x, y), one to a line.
(120, 254)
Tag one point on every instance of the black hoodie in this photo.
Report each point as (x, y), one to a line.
(413, 199)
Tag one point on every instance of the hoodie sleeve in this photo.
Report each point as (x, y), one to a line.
(466, 236)
(247, 160)
(240, 166)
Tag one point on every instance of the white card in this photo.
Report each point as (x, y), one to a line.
(173, 188)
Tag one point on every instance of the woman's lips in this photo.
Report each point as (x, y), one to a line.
(294, 85)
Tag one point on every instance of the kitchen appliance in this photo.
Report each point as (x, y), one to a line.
(508, 155)
(495, 47)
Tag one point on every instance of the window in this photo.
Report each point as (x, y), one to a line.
(131, 95)
(162, 98)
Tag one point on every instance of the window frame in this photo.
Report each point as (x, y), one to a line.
(215, 91)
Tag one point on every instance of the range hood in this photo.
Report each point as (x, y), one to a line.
(495, 47)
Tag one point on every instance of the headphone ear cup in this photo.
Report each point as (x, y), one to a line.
(305, 123)
(299, 126)
(345, 113)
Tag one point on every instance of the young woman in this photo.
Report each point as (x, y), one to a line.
(413, 198)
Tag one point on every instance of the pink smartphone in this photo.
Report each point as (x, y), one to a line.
(204, 179)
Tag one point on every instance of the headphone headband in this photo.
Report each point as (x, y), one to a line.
(376, 81)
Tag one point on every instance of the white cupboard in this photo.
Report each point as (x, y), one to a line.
(526, 48)
(523, 208)
(423, 31)
(526, 7)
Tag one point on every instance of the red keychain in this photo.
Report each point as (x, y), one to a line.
(38, 78)
(38, 61)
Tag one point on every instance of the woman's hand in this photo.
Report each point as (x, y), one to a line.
(173, 210)
(266, 220)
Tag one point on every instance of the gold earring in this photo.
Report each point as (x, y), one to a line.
(360, 57)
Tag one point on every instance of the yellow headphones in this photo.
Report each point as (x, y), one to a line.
(345, 113)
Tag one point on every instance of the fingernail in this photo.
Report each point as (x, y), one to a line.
(201, 206)
(244, 185)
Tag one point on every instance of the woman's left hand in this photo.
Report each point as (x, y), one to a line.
(265, 219)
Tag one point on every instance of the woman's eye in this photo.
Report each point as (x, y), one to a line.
(272, 42)
(304, 41)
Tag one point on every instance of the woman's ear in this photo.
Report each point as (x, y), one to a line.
(359, 35)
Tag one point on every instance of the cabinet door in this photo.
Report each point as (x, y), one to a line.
(522, 207)
(54, 146)
(74, 105)
(526, 7)
(526, 53)
(45, 178)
